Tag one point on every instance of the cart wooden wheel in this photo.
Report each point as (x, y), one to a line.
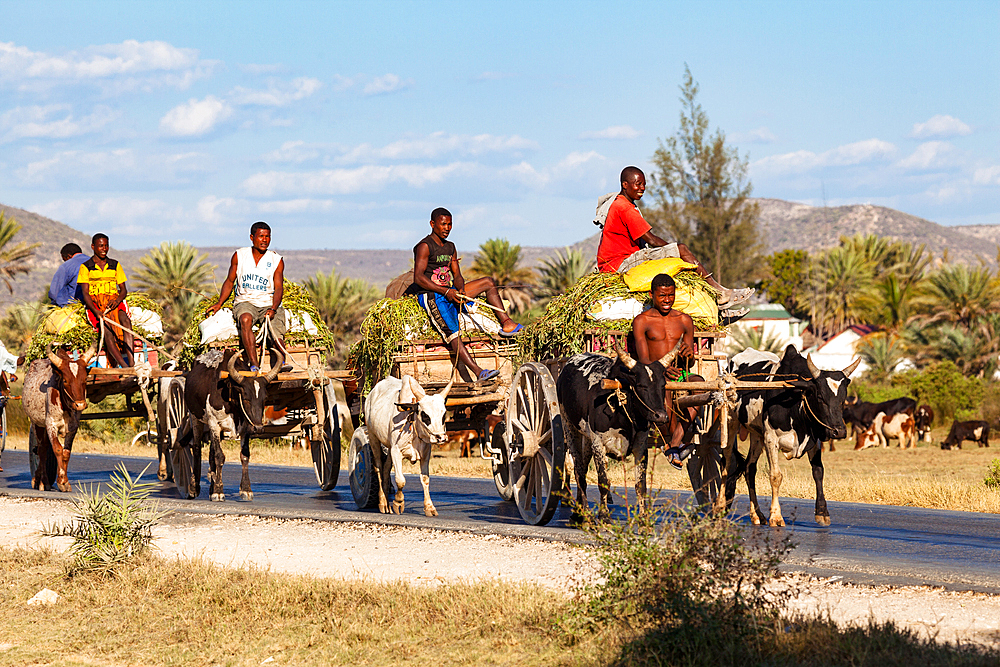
(326, 452)
(175, 414)
(361, 470)
(501, 470)
(536, 444)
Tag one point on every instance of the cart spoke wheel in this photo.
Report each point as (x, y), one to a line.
(501, 471)
(361, 470)
(326, 453)
(535, 443)
(175, 413)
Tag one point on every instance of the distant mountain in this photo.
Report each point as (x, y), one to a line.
(785, 225)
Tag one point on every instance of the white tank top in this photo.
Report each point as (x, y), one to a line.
(255, 281)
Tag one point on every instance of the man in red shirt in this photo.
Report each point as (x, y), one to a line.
(627, 240)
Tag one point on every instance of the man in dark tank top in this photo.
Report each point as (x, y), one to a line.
(442, 291)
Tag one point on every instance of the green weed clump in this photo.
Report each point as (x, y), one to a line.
(112, 528)
(992, 479)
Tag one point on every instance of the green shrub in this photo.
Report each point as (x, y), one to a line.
(111, 528)
(942, 386)
(876, 392)
(989, 410)
(992, 479)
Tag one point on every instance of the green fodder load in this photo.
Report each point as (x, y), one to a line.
(388, 324)
(83, 335)
(559, 332)
(295, 300)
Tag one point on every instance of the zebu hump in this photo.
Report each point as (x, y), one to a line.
(592, 367)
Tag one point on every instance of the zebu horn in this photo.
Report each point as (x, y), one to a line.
(53, 357)
(447, 387)
(273, 373)
(234, 374)
(813, 370)
(669, 357)
(91, 352)
(417, 390)
(850, 369)
(623, 356)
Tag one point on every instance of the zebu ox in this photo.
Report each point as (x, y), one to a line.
(230, 407)
(899, 426)
(592, 415)
(406, 420)
(923, 419)
(54, 396)
(796, 420)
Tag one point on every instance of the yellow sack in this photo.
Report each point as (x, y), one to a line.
(696, 303)
(640, 277)
(61, 320)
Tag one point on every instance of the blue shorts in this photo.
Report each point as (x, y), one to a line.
(443, 313)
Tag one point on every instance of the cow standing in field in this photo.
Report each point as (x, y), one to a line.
(404, 420)
(54, 397)
(861, 414)
(977, 431)
(899, 427)
(223, 407)
(592, 415)
(795, 420)
(923, 419)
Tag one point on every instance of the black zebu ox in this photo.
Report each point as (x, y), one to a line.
(796, 420)
(592, 414)
(232, 406)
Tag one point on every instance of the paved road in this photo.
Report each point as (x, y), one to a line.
(866, 543)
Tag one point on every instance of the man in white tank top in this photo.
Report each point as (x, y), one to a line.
(257, 274)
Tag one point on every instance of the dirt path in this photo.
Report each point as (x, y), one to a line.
(382, 553)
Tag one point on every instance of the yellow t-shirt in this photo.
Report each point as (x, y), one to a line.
(102, 284)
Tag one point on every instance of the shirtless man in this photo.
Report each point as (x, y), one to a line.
(657, 331)
(442, 291)
(627, 240)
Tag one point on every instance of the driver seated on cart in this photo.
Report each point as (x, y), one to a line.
(442, 291)
(657, 332)
(257, 275)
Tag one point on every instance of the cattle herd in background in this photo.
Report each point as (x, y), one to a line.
(900, 419)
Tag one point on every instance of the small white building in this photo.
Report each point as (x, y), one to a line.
(775, 323)
(840, 351)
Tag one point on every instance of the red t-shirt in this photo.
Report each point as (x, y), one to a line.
(620, 237)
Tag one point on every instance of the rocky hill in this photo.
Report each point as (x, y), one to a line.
(785, 225)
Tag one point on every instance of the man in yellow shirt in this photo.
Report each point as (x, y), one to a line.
(102, 281)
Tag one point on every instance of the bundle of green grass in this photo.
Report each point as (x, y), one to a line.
(81, 335)
(388, 324)
(295, 300)
(559, 332)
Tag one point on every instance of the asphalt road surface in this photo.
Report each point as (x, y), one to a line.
(865, 543)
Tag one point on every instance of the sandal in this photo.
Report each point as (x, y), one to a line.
(488, 374)
(513, 332)
(736, 297)
(673, 457)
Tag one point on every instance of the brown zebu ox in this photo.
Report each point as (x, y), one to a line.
(54, 396)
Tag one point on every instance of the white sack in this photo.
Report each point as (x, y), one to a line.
(300, 322)
(220, 326)
(616, 309)
(148, 320)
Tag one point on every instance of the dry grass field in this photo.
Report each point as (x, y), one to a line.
(922, 477)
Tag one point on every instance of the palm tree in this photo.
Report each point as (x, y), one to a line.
(342, 302)
(175, 275)
(961, 294)
(882, 353)
(560, 273)
(755, 337)
(840, 290)
(21, 321)
(498, 259)
(13, 260)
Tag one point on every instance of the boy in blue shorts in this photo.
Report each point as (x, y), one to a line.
(440, 289)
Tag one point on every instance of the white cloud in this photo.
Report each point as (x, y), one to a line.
(575, 160)
(987, 175)
(111, 169)
(251, 68)
(277, 95)
(128, 216)
(293, 152)
(369, 178)
(861, 152)
(196, 117)
(613, 132)
(931, 155)
(54, 121)
(493, 76)
(342, 83)
(761, 135)
(130, 59)
(389, 83)
(940, 127)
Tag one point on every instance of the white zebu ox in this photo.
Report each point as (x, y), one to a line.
(404, 419)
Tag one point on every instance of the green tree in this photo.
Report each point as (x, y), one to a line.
(754, 337)
(785, 280)
(13, 259)
(882, 353)
(559, 273)
(701, 195)
(175, 275)
(839, 290)
(501, 261)
(342, 302)
(21, 321)
(962, 294)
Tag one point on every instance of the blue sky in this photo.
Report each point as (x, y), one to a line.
(344, 124)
